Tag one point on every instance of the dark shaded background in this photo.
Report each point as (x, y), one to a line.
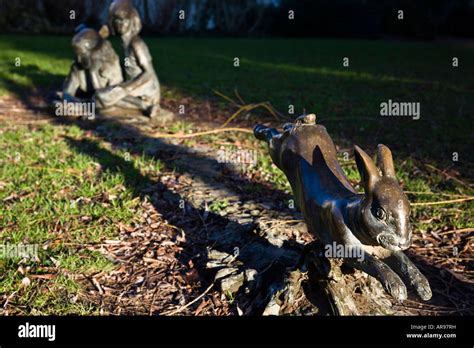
(423, 19)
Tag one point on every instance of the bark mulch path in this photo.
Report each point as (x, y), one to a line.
(184, 259)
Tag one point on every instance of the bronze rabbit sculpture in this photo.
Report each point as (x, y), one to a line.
(375, 222)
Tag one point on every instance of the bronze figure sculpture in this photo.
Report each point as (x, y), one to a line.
(376, 222)
(95, 67)
(141, 88)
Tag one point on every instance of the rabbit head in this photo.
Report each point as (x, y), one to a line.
(385, 209)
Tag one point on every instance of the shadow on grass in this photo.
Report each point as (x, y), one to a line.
(31, 75)
(308, 75)
(224, 234)
(451, 294)
(131, 139)
(217, 232)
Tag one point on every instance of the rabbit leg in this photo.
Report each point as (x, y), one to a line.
(410, 274)
(380, 271)
(367, 263)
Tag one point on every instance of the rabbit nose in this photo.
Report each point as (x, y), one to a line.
(404, 241)
(405, 245)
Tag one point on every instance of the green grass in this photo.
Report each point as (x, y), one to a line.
(56, 192)
(306, 73)
(61, 200)
(218, 206)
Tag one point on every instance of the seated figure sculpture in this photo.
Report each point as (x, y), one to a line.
(141, 88)
(95, 67)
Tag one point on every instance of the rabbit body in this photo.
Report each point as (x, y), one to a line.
(336, 213)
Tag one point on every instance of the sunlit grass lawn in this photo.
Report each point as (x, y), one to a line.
(62, 201)
(53, 196)
(307, 74)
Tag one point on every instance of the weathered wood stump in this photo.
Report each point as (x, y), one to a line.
(292, 283)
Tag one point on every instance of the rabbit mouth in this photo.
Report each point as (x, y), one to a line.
(406, 245)
(390, 242)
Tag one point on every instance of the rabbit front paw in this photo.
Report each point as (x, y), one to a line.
(395, 287)
(410, 274)
(423, 288)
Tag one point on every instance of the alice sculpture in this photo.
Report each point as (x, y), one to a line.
(140, 89)
(96, 66)
(131, 85)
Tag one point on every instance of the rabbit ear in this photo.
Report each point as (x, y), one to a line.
(367, 169)
(385, 161)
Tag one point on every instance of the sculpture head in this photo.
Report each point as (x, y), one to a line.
(385, 209)
(124, 18)
(84, 43)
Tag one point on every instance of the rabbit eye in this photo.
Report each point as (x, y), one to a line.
(380, 214)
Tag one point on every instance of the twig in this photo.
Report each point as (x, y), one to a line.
(22, 123)
(242, 106)
(235, 114)
(247, 108)
(68, 170)
(452, 259)
(190, 303)
(97, 285)
(226, 97)
(447, 175)
(192, 135)
(278, 223)
(8, 299)
(443, 202)
(238, 96)
(153, 302)
(468, 229)
(435, 194)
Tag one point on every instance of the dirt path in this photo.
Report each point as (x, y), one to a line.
(243, 258)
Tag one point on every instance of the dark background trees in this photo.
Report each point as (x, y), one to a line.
(423, 19)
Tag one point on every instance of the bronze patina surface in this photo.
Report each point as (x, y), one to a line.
(376, 222)
(141, 89)
(96, 66)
